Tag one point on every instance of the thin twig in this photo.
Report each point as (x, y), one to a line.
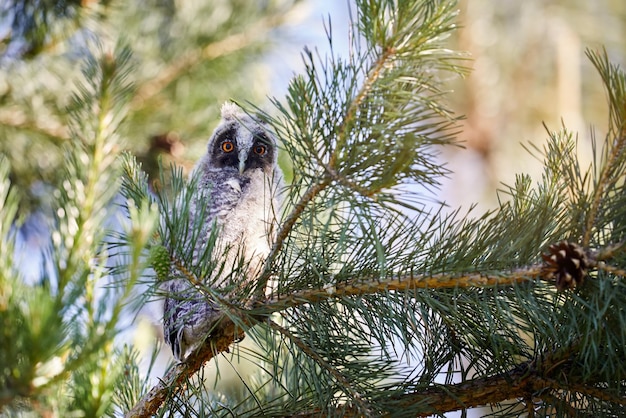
(609, 251)
(373, 75)
(363, 191)
(604, 182)
(286, 227)
(610, 269)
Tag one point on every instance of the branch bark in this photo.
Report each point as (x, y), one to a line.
(403, 283)
(523, 382)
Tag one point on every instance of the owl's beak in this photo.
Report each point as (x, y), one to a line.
(242, 165)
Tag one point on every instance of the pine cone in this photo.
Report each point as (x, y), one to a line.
(160, 259)
(567, 263)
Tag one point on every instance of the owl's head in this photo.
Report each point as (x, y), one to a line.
(242, 143)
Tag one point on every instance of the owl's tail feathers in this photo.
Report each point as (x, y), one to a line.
(174, 339)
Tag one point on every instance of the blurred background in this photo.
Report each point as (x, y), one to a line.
(528, 68)
(527, 60)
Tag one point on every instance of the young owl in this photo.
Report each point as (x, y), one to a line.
(238, 193)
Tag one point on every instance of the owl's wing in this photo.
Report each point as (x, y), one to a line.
(172, 329)
(188, 316)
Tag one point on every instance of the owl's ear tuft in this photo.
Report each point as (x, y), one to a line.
(231, 111)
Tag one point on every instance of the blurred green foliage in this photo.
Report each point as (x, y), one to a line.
(189, 58)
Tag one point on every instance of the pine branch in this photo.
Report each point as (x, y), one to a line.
(525, 381)
(437, 281)
(602, 266)
(606, 253)
(222, 336)
(18, 120)
(485, 391)
(214, 50)
(447, 398)
(611, 173)
(405, 283)
(352, 102)
(92, 163)
(473, 393)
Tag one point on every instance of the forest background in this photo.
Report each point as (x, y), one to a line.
(527, 61)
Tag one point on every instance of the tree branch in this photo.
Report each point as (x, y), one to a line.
(525, 381)
(222, 336)
(473, 393)
(359, 287)
(403, 283)
(463, 395)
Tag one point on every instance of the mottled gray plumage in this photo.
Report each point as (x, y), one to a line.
(240, 181)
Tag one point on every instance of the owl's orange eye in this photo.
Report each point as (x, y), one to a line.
(227, 146)
(260, 150)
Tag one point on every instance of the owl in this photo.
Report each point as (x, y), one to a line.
(238, 194)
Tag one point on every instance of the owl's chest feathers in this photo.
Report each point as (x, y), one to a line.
(245, 217)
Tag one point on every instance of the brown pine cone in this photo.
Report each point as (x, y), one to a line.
(567, 263)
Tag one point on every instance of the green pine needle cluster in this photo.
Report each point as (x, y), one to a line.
(379, 302)
(58, 354)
